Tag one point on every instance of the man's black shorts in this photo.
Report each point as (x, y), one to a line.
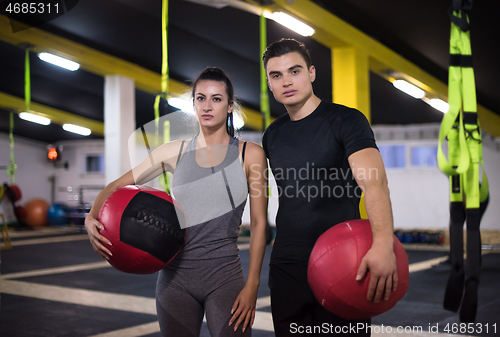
(297, 312)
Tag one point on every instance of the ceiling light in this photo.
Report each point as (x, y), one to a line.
(34, 118)
(181, 104)
(440, 105)
(213, 3)
(59, 61)
(290, 23)
(409, 88)
(77, 129)
(238, 122)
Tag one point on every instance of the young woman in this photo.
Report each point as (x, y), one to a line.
(212, 175)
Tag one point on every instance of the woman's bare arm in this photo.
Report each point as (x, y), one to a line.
(164, 156)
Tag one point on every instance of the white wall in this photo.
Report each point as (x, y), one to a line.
(491, 218)
(33, 171)
(67, 181)
(420, 196)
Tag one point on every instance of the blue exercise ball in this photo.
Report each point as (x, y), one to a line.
(58, 214)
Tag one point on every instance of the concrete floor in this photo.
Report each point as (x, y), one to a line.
(53, 284)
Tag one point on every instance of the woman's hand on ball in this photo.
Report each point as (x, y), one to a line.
(93, 226)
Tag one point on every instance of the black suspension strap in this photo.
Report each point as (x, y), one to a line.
(460, 126)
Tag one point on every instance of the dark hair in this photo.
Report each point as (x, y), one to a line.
(218, 75)
(285, 46)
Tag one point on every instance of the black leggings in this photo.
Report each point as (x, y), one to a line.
(296, 311)
(184, 295)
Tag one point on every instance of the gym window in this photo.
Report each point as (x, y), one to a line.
(94, 164)
(394, 156)
(424, 156)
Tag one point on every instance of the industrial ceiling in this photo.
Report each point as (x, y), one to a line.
(125, 36)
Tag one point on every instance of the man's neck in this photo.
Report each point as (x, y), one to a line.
(303, 109)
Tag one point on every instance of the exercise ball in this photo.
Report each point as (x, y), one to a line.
(58, 214)
(13, 192)
(145, 227)
(36, 212)
(333, 266)
(21, 213)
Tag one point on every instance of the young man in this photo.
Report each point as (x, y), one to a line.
(322, 156)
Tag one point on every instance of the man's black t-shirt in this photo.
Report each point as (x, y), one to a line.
(315, 184)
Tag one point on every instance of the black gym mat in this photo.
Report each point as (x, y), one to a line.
(22, 316)
(422, 305)
(28, 317)
(205, 333)
(47, 255)
(103, 279)
(36, 236)
(415, 256)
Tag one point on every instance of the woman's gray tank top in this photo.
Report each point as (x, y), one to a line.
(213, 199)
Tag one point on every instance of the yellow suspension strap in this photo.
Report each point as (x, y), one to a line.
(264, 96)
(164, 90)
(12, 168)
(462, 129)
(264, 100)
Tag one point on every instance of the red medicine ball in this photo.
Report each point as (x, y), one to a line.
(14, 192)
(333, 266)
(144, 228)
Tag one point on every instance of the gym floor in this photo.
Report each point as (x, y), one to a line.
(53, 284)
